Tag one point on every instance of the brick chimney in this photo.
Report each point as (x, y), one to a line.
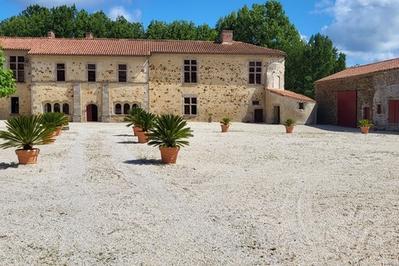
(51, 35)
(89, 35)
(226, 37)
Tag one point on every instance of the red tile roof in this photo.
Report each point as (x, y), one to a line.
(291, 94)
(129, 47)
(364, 70)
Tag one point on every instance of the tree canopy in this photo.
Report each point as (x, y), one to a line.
(7, 82)
(262, 24)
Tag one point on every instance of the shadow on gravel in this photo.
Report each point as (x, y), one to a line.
(144, 162)
(124, 135)
(128, 142)
(4, 166)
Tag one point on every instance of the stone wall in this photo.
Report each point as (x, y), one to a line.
(222, 88)
(372, 90)
(289, 109)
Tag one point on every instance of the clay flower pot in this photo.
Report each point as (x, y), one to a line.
(58, 131)
(27, 156)
(225, 128)
(135, 130)
(142, 136)
(53, 137)
(365, 130)
(289, 129)
(169, 155)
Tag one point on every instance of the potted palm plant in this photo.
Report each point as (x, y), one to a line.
(145, 122)
(132, 119)
(169, 134)
(25, 132)
(54, 121)
(225, 124)
(289, 125)
(365, 125)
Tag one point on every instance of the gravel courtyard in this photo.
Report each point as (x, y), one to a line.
(252, 196)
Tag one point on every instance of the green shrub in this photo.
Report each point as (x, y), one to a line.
(365, 123)
(289, 122)
(53, 120)
(226, 121)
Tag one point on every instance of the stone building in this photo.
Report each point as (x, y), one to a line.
(364, 92)
(102, 79)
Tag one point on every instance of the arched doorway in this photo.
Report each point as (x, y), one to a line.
(92, 113)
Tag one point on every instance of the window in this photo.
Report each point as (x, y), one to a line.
(91, 72)
(47, 108)
(14, 105)
(126, 108)
(255, 72)
(61, 72)
(135, 105)
(190, 71)
(379, 109)
(118, 109)
(65, 108)
(17, 65)
(122, 73)
(301, 106)
(255, 103)
(190, 106)
(57, 108)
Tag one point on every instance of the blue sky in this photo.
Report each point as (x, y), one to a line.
(366, 30)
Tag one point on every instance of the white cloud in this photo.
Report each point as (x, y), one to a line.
(117, 11)
(366, 30)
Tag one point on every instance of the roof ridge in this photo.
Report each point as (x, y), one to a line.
(371, 64)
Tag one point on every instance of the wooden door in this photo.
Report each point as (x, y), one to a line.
(258, 116)
(276, 115)
(347, 108)
(92, 113)
(393, 116)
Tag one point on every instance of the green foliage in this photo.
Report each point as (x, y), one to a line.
(25, 132)
(133, 117)
(365, 123)
(145, 120)
(226, 121)
(170, 131)
(180, 30)
(289, 122)
(7, 81)
(54, 120)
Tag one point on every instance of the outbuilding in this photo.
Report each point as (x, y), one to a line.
(364, 92)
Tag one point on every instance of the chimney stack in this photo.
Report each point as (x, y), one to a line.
(226, 37)
(51, 35)
(89, 35)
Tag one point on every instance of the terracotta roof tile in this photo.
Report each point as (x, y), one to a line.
(128, 47)
(291, 94)
(364, 70)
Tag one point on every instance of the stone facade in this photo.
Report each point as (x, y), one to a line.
(374, 91)
(154, 82)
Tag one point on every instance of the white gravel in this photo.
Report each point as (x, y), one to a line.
(252, 196)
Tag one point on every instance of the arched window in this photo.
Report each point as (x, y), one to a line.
(126, 108)
(118, 109)
(47, 108)
(57, 108)
(65, 108)
(135, 105)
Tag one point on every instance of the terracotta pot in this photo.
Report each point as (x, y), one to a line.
(136, 129)
(58, 131)
(169, 155)
(27, 156)
(225, 128)
(289, 129)
(53, 137)
(365, 130)
(142, 136)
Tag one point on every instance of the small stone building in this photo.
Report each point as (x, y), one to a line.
(364, 92)
(93, 79)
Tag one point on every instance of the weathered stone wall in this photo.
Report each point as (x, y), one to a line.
(289, 109)
(372, 90)
(23, 90)
(326, 97)
(222, 88)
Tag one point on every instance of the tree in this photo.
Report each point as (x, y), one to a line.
(121, 28)
(7, 81)
(157, 30)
